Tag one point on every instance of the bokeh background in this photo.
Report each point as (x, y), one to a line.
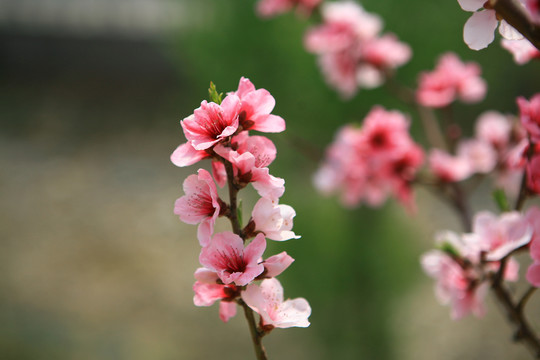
(93, 262)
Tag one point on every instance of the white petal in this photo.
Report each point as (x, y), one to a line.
(478, 30)
(471, 5)
(508, 32)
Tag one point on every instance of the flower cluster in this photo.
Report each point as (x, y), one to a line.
(233, 261)
(465, 264)
(530, 155)
(369, 163)
(451, 80)
(352, 53)
(496, 148)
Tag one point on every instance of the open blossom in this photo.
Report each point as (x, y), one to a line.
(478, 30)
(211, 123)
(256, 108)
(208, 291)
(232, 262)
(200, 204)
(455, 285)
(451, 80)
(522, 50)
(267, 301)
(481, 156)
(498, 236)
(494, 128)
(269, 8)
(529, 114)
(274, 220)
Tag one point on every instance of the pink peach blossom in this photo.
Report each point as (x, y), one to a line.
(493, 128)
(386, 52)
(529, 114)
(256, 106)
(208, 291)
(232, 262)
(384, 132)
(200, 204)
(498, 236)
(481, 156)
(267, 301)
(522, 50)
(211, 123)
(455, 285)
(274, 220)
(451, 79)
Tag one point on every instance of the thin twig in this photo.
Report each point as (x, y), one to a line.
(256, 335)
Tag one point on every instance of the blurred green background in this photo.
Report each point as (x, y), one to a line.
(93, 262)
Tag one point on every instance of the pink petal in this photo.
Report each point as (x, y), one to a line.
(227, 310)
(186, 155)
(276, 264)
(471, 5)
(478, 30)
(508, 32)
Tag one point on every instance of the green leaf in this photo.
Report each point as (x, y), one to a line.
(501, 200)
(449, 249)
(214, 96)
(239, 213)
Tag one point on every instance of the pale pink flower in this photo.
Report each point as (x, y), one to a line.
(274, 220)
(529, 114)
(522, 50)
(208, 291)
(275, 265)
(386, 52)
(256, 106)
(232, 262)
(498, 236)
(267, 301)
(211, 123)
(449, 168)
(455, 285)
(481, 156)
(533, 272)
(494, 128)
(200, 204)
(269, 8)
(451, 80)
(478, 30)
(340, 71)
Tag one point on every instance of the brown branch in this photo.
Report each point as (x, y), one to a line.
(516, 15)
(514, 311)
